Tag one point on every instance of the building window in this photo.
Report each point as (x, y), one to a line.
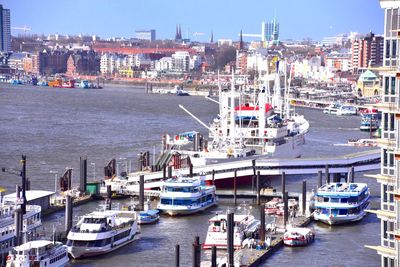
(387, 48)
(391, 116)
(394, 47)
(385, 121)
(393, 86)
(386, 85)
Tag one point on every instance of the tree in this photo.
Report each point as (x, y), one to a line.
(224, 55)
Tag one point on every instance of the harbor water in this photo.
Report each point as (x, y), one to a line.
(54, 127)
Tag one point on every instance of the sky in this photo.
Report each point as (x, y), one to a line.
(298, 19)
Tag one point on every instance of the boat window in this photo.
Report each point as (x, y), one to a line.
(324, 211)
(326, 199)
(335, 200)
(342, 212)
(353, 199)
(344, 200)
(166, 201)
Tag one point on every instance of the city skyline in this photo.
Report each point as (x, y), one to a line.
(312, 19)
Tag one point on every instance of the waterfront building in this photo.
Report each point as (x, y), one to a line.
(224, 42)
(389, 177)
(164, 64)
(180, 61)
(368, 84)
(337, 61)
(368, 51)
(83, 63)
(16, 61)
(107, 63)
(148, 35)
(5, 30)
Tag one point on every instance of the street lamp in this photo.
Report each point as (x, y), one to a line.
(94, 170)
(55, 180)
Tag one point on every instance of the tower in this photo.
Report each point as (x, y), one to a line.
(241, 46)
(212, 37)
(5, 30)
(389, 177)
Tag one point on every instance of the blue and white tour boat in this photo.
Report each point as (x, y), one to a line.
(184, 196)
(338, 203)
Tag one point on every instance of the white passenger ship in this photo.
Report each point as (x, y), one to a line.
(39, 253)
(31, 222)
(244, 226)
(184, 196)
(338, 203)
(101, 232)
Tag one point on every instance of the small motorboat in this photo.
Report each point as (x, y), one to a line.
(148, 217)
(271, 207)
(299, 236)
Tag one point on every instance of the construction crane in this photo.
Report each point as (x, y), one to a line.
(24, 28)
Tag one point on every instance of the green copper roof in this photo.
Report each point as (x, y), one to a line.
(368, 76)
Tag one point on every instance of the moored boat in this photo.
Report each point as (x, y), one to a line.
(101, 232)
(244, 226)
(271, 207)
(183, 196)
(39, 253)
(298, 236)
(338, 203)
(148, 217)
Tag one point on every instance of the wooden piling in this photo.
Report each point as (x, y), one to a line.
(235, 187)
(285, 209)
(283, 183)
(304, 197)
(327, 174)
(169, 171)
(258, 188)
(262, 220)
(18, 219)
(319, 179)
(164, 171)
(213, 177)
(68, 214)
(141, 192)
(229, 232)
(176, 255)
(213, 256)
(108, 200)
(191, 170)
(253, 163)
(352, 174)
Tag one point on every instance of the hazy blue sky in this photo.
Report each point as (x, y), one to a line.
(107, 18)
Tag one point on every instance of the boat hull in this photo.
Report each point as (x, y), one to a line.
(336, 220)
(178, 212)
(84, 252)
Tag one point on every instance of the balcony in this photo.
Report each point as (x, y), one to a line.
(383, 214)
(391, 252)
(382, 178)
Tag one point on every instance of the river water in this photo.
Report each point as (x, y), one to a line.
(54, 127)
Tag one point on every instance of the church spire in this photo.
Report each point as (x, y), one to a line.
(241, 41)
(212, 37)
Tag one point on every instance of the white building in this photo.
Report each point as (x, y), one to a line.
(225, 42)
(389, 177)
(181, 61)
(164, 64)
(107, 63)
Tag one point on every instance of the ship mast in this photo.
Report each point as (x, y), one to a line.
(232, 111)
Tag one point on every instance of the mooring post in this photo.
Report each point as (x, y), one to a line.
(213, 177)
(68, 214)
(304, 197)
(108, 200)
(169, 171)
(258, 188)
(23, 174)
(213, 256)
(262, 221)
(253, 162)
(141, 192)
(198, 248)
(195, 253)
(18, 218)
(176, 255)
(235, 187)
(352, 174)
(319, 179)
(230, 228)
(191, 170)
(283, 182)
(327, 174)
(285, 209)
(164, 171)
